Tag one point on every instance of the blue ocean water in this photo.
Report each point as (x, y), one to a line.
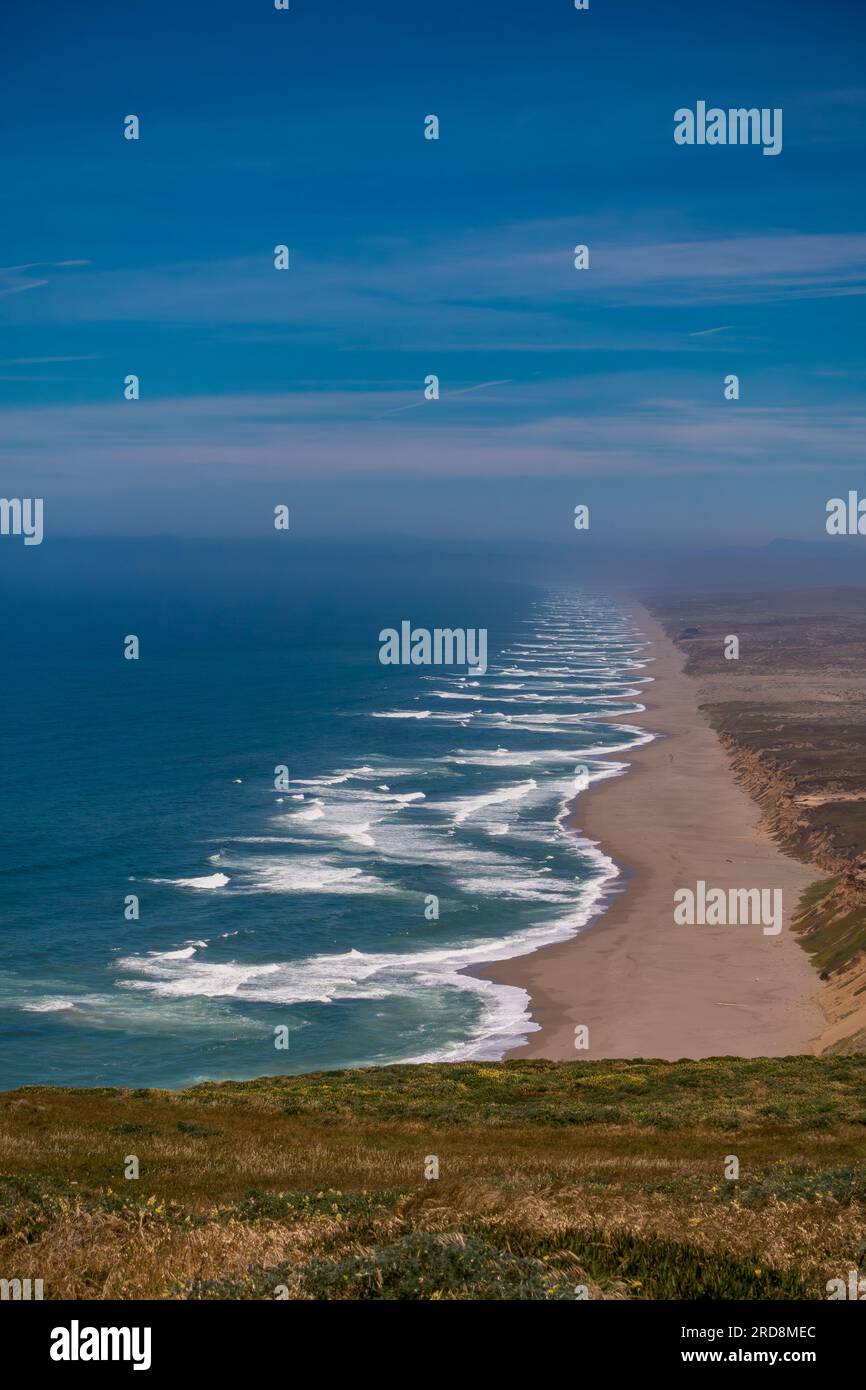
(308, 907)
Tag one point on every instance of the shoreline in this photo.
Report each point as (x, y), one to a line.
(643, 986)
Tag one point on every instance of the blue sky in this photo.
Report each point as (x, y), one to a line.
(412, 257)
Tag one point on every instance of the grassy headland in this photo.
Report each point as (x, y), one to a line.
(608, 1175)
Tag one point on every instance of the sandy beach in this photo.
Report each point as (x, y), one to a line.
(645, 986)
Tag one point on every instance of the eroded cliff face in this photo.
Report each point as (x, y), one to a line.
(831, 921)
(791, 713)
(784, 812)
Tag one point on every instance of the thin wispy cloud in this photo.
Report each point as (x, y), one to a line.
(538, 433)
(43, 361)
(526, 284)
(14, 279)
(460, 391)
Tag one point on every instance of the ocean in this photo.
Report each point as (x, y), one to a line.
(424, 828)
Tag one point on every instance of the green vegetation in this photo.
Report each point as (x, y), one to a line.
(608, 1176)
(832, 935)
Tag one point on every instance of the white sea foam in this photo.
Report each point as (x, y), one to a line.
(209, 881)
(48, 1005)
(331, 781)
(507, 757)
(473, 805)
(359, 833)
(403, 714)
(568, 688)
(454, 695)
(309, 874)
(361, 975)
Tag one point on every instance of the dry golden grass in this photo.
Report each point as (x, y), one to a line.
(315, 1187)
